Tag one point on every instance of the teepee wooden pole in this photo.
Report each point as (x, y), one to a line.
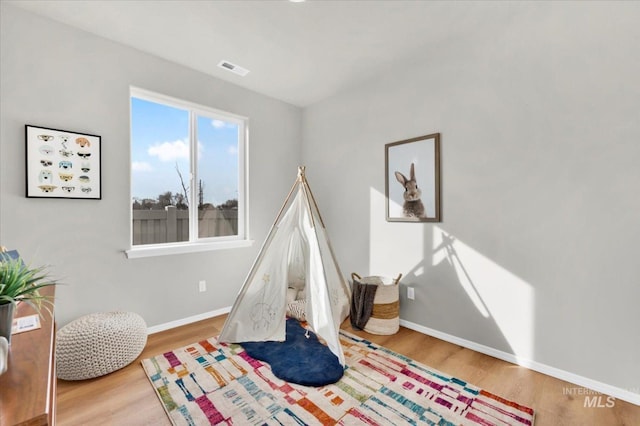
(286, 201)
(307, 195)
(275, 222)
(306, 183)
(333, 255)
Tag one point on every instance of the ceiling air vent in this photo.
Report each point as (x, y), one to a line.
(236, 69)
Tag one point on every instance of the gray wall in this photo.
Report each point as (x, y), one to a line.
(55, 76)
(538, 248)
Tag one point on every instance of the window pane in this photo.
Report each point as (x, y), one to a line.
(160, 158)
(217, 172)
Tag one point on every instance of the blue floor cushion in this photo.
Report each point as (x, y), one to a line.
(298, 359)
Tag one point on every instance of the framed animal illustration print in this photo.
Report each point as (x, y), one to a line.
(412, 179)
(62, 164)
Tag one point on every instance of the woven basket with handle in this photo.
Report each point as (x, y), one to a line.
(385, 317)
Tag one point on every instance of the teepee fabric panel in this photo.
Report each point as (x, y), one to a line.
(297, 253)
(258, 313)
(336, 285)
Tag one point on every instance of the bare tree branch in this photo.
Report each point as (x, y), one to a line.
(185, 188)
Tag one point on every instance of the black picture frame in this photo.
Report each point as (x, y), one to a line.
(62, 164)
(412, 179)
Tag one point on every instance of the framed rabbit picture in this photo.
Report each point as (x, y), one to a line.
(412, 179)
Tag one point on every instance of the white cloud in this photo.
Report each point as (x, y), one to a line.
(218, 124)
(141, 166)
(221, 124)
(232, 150)
(169, 151)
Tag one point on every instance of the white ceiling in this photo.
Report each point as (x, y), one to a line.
(300, 53)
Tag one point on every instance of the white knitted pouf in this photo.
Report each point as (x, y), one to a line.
(99, 344)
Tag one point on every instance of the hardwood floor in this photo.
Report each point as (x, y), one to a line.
(125, 397)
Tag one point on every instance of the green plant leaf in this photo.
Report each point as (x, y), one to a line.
(20, 283)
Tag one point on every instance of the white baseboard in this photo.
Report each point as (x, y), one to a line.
(184, 321)
(623, 394)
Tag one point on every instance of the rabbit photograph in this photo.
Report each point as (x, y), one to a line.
(413, 179)
(412, 206)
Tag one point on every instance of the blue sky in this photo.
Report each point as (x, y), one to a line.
(160, 140)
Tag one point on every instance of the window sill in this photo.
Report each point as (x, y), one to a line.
(171, 249)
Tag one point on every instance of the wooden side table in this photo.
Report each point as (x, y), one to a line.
(28, 387)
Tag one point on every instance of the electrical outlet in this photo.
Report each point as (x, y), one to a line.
(202, 285)
(411, 295)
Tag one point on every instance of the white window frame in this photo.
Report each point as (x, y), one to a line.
(196, 244)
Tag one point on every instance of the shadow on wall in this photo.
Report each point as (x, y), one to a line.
(446, 293)
(458, 291)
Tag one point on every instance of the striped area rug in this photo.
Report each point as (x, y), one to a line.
(210, 383)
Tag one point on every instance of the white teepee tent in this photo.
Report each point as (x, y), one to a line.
(296, 249)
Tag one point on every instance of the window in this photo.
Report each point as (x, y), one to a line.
(187, 175)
